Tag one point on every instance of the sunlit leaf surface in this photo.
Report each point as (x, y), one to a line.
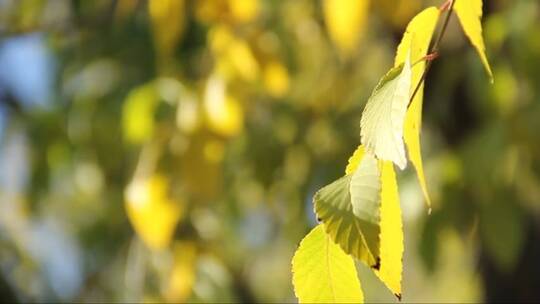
(345, 20)
(356, 236)
(469, 13)
(384, 115)
(416, 40)
(153, 215)
(323, 273)
(391, 231)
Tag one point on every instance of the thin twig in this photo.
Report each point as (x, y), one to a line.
(435, 47)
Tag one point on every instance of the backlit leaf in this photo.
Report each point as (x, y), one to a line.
(276, 78)
(151, 212)
(323, 273)
(365, 188)
(138, 113)
(416, 39)
(355, 159)
(183, 272)
(168, 19)
(391, 236)
(391, 239)
(224, 113)
(345, 20)
(384, 115)
(469, 13)
(356, 236)
(234, 57)
(245, 10)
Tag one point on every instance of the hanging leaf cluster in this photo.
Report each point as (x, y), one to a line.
(360, 213)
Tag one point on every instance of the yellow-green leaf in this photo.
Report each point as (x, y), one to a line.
(416, 40)
(138, 113)
(365, 188)
(381, 125)
(469, 13)
(391, 239)
(323, 273)
(356, 236)
(355, 159)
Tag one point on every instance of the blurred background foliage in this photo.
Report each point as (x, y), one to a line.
(168, 150)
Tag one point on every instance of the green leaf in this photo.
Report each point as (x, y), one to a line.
(416, 40)
(356, 236)
(383, 118)
(469, 13)
(323, 273)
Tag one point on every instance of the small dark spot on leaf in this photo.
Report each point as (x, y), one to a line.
(398, 296)
(377, 264)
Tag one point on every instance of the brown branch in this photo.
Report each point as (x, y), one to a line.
(448, 6)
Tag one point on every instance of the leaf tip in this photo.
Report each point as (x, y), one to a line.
(398, 296)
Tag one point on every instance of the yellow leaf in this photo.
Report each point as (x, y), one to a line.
(214, 150)
(345, 20)
(244, 10)
(469, 13)
(182, 275)
(243, 60)
(276, 79)
(233, 55)
(188, 111)
(323, 273)
(391, 238)
(391, 235)
(153, 215)
(167, 17)
(206, 11)
(224, 113)
(421, 30)
(138, 113)
(355, 159)
(416, 39)
(219, 37)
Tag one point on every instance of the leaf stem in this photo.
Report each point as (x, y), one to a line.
(428, 57)
(435, 48)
